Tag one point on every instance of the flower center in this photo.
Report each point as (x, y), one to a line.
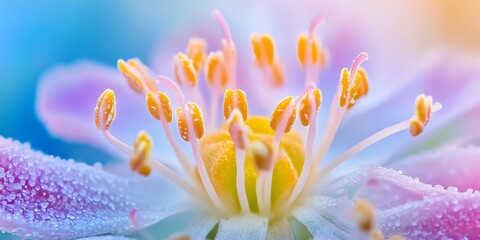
(248, 164)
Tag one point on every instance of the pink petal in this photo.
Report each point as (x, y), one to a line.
(456, 167)
(46, 197)
(447, 216)
(385, 187)
(67, 95)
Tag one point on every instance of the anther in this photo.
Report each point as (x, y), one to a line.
(263, 49)
(423, 111)
(159, 104)
(184, 70)
(364, 214)
(196, 51)
(139, 162)
(216, 70)
(305, 108)
(132, 76)
(309, 51)
(105, 110)
(377, 235)
(235, 99)
(397, 237)
(352, 90)
(197, 121)
(262, 153)
(281, 109)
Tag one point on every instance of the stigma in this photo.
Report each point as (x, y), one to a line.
(241, 163)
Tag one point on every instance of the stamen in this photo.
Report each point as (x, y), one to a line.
(263, 49)
(238, 133)
(370, 141)
(397, 237)
(131, 76)
(105, 110)
(223, 24)
(139, 161)
(196, 51)
(305, 107)
(315, 22)
(190, 124)
(173, 87)
(352, 91)
(198, 126)
(281, 112)
(216, 70)
(364, 214)
(423, 110)
(235, 100)
(184, 70)
(277, 74)
(228, 47)
(161, 106)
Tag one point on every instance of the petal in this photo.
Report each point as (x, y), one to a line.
(325, 218)
(200, 226)
(280, 230)
(46, 197)
(107, 238)
(385, 187)
(244, 227)
(67, 95)
(456, 167)
(448, 216)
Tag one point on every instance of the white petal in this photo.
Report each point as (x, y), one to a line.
(244, 227)
(200, 226)
(280, 230)
(325, 218)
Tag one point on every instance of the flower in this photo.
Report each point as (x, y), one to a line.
(254, 176)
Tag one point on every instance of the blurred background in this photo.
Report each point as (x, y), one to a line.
(37, 35)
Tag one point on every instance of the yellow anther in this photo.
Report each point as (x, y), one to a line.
(216, 70)
(377, 235)
(235, 99)
(423, 110)
(279, 111)
(364, 214)
(105, 110)
(352, 91)
(305, 106)
(397, 237)
(196, 51)
(262, 154)
(196, 118)
(263, 49)
(141, 154)
(132, 75)
(184, 70)
(309, 51)
(159, 104)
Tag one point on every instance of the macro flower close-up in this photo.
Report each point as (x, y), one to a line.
(240, 120)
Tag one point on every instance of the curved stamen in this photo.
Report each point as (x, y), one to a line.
(315, 22)
(223, 24)
(173, 87)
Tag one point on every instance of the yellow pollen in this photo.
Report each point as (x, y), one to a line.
(364, 214)
(309, 51)
(130, 74)
(277, 114)
(159, 104)
(196, 51)
(354, 91)
(141, 154)
(197, 121)
(305, 107)
(216, 72)
(235, 99)
(262, 153)
(423, 110)
(184, 70)
(263, 49)
(105, 110)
